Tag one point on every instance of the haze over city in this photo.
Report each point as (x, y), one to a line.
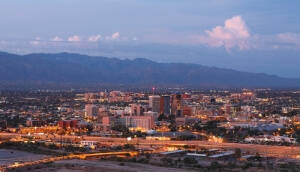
(252, 36)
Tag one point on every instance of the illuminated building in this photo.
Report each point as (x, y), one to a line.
(176, 104)
(164, 104)
(91, 110)
(67, 124)
(138, 110)
(142, 123)
(154, 103)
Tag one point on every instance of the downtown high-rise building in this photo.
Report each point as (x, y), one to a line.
(154, 103)
(176, 104)
(164, 104)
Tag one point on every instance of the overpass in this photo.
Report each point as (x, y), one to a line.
(95, 155)
(51, 159)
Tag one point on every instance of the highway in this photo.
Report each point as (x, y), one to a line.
(81, 156)
(265, 150)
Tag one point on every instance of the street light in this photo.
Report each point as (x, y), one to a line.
(128, 139)
(227, 136)
(138, 141)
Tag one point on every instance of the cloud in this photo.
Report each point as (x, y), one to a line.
(94, 38)
(56, 38)
(280, 41)
(234, 33)
(291, 38)
(74, 38)
(37, 42)
(114, 36)
(135, 38)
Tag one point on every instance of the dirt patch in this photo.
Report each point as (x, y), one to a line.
(113, 166)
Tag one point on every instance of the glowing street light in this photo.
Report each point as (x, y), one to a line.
(128, 139)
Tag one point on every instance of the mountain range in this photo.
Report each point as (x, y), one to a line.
(84, 69)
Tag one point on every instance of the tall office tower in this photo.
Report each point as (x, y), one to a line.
(154, 103)
(164, 104)
(176, 104)
(91, 110)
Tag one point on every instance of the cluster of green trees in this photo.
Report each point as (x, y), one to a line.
(289, 166)
(125, 146)
(75, 149)
(170, 118)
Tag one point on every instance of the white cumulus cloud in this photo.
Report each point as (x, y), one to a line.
(94, 38)
(234, 33)
(115, 35)
(74, 38)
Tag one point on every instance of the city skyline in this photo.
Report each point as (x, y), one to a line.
(252, 36)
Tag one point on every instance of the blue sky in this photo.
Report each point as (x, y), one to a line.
(261, 36)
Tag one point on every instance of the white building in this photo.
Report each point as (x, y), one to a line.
(266, 138)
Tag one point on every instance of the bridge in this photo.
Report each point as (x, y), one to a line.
(82, 156)
(95, 155)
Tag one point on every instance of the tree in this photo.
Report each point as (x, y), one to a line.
(237, 153)
(147, 155)
(212, 124)
(214, 165)
(179, 159)
(89, 127)
(128, 146)
(257, 157)
(123, 129)
(190, 160)
(172, 117)
(161, 117)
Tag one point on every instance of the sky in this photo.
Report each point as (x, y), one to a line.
(260, 36)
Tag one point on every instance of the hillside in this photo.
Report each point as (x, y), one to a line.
(83, 69)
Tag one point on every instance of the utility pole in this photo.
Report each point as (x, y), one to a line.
(138, 142)
(266, 157)
(60, 140)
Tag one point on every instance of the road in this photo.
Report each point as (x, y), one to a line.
(265, 150)
(51, 159)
